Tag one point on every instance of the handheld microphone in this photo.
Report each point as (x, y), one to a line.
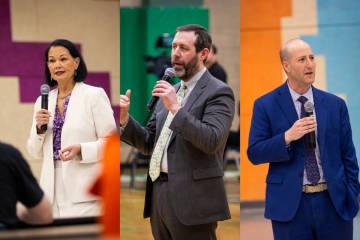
(44, 90)
(168, 75)
(309, 110)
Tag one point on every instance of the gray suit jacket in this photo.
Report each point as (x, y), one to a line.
(195, 152)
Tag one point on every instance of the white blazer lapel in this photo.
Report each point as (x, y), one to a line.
(74, 99)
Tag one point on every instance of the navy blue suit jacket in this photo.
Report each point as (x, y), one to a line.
(273, 114)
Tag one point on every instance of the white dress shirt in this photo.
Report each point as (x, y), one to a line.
(190, 86)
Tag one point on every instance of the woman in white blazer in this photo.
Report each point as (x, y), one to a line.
(78, 119)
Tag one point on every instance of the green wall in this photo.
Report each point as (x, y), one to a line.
(139, 29)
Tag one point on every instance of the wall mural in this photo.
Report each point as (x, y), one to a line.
(22, 46)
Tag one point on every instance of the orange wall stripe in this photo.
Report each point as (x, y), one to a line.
(260, 72)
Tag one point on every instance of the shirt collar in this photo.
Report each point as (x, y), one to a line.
(192, 82)
(295, 96)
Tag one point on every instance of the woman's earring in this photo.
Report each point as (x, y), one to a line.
(75, 73)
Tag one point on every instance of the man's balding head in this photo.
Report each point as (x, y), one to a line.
(298, 61)
(289, 46)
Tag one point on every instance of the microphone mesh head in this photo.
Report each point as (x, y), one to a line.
(309, 107)
(170, 72)
(44, 89)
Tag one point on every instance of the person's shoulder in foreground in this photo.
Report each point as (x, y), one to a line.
(18, 185)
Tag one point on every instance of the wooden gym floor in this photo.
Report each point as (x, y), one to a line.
(134, 227)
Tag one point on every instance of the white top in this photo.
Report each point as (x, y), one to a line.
(89, 118)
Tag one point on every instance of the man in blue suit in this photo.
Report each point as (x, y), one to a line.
(312, 189)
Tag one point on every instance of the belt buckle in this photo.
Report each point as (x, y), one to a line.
(320, 187)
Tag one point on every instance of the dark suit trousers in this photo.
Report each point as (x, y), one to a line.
(166, 226)
(315, 219)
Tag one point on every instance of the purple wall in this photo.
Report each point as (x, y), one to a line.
(26, 61)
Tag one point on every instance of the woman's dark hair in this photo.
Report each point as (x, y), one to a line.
(81, 71)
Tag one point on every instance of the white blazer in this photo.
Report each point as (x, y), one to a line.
(89, 118)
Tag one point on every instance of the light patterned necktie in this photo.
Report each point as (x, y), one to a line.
(154, 169)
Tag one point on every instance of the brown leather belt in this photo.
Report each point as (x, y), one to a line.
(320, 187)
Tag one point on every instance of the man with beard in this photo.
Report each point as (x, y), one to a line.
(186, 135)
